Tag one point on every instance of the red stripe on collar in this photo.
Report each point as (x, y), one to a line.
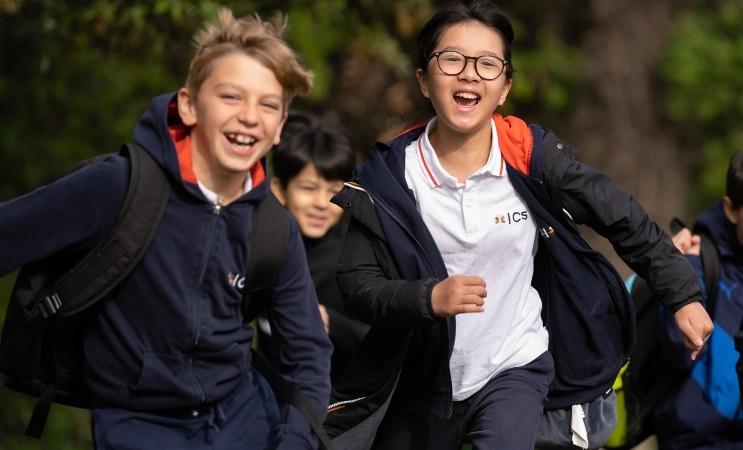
(425, 164)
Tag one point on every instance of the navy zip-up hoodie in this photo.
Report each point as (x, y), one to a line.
(171, 335)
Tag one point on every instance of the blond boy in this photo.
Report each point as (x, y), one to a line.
(168, 354)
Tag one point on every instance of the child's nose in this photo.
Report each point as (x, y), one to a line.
(248, 114)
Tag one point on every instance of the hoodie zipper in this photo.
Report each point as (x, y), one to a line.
(216, 211)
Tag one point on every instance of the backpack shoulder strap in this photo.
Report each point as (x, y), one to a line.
(110, 261)
(267, 247)
(711, 267)
(289, 393)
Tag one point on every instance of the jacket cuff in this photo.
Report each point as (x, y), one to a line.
(676, 306)
(430, 283)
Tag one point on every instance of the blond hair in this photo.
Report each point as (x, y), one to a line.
(260, 39)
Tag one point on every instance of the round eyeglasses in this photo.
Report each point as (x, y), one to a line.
(451, 62)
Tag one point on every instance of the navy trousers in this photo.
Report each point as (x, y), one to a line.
(504, 414)
(246, 420)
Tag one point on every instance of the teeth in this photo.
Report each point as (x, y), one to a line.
(467, 95)
(241, 138)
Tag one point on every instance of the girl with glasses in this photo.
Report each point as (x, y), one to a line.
(463, 246)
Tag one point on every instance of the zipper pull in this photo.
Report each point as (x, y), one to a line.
(547, 232)
(217, 207)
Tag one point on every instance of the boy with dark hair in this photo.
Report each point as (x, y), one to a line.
(310, 164)
(703, 410)
(167, 354)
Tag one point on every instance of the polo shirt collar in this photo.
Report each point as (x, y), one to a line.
(212, 196)
(435, 172)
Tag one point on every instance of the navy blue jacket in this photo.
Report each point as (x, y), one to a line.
(703, 410)
(172, 334)
(585, 306)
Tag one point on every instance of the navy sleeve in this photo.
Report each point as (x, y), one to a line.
(75, 208)
(303, 347)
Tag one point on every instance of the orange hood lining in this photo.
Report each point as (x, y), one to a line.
(515, 141)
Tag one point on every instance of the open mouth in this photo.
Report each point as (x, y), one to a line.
(241, 140)
(466, 98)
(316, 221)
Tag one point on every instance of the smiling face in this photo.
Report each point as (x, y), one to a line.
(465, 103)
(307, 197)
(236, 118)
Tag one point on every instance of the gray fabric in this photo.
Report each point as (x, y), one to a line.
(601, 417)
(361, 437)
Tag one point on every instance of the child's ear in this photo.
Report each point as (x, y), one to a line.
(278, 190)
(277, 138)
(504, 94)
(422, 83)
(186, 107)
(727, 206)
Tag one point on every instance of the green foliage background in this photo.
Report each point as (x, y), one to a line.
(704, 90)
(76, 75)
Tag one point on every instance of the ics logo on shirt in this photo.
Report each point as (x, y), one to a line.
(236, 280)
(511, 217)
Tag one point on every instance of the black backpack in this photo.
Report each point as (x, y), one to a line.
(52, 299)
(649, 376)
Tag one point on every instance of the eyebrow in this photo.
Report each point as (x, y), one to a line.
(461, 50)
(242, 90)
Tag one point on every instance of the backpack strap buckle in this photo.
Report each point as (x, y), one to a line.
(48, 306)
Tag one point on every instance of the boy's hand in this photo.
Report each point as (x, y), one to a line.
(696, 326)
(687, 243)
(458, 294)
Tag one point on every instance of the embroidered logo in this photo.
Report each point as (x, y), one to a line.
(236, 280)
(511, 217)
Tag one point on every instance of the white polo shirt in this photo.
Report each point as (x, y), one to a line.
(482, 227)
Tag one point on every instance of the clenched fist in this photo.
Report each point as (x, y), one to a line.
(458, 294)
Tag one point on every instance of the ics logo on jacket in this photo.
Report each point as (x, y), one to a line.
(511, 218)
(236, 280)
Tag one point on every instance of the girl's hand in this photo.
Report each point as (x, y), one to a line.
(458, 294)
(695, 325)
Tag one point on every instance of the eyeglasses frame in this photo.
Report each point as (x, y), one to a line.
(436, 55)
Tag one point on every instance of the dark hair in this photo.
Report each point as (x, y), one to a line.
(454, 12)
(734, 182)
(307, 139)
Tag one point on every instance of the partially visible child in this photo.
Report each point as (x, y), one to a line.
(310, 164)
(704, 408)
